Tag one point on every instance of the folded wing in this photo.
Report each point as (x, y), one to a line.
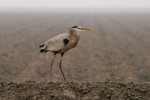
(56, 43)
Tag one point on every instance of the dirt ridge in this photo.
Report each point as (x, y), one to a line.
(108, 90)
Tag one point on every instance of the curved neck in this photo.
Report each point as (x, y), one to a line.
(71, 31)
(74, 33)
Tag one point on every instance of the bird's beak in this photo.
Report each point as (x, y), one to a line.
(87, 29)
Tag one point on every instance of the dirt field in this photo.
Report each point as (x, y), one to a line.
(107, 90)
(118, 49)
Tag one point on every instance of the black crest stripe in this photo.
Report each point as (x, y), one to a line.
(74, 27)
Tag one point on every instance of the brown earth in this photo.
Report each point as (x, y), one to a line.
(107, 90)
(118, 49)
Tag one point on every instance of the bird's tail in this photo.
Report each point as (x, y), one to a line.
(43, 48)
(41, 45)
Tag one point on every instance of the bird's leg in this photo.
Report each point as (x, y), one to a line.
(51, 67)
(61, 67)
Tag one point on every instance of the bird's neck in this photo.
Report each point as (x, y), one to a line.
(74, 34)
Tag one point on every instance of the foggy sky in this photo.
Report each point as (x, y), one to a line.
(74, 4)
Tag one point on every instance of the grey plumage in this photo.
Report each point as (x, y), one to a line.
(56, 43)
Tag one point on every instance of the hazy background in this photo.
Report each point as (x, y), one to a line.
(27, 5)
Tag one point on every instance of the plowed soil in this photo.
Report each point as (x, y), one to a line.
(107, 90)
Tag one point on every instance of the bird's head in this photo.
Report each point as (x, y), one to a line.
(80, 29)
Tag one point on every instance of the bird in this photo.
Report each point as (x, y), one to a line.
(62, 43)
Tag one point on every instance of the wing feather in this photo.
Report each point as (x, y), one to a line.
(56, 43)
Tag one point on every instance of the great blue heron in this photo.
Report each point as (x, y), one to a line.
(61, 44)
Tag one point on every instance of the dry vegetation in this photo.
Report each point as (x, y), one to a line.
(118, 49)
